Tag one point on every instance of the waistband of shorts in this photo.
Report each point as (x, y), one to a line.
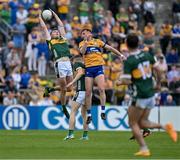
(63, 59)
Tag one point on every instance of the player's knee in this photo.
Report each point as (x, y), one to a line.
(88, 93)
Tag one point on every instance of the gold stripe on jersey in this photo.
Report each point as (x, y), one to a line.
(57, 41)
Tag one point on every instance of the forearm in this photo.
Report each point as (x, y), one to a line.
(77, 77)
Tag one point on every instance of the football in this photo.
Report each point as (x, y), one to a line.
(47, 15)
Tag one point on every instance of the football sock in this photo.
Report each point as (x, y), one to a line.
(70, 132)
(102, 109)
(85, 133)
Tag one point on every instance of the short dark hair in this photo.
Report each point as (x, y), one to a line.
(132, 41)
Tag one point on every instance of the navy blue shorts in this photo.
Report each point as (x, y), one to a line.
(94, 71)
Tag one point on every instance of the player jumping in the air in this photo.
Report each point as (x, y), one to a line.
(61, 53)
(138, 70)
(91, 49)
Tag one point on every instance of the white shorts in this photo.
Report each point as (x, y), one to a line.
(146, 103)
(63, 69)
(79, 97)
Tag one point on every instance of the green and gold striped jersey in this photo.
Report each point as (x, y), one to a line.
(139, 66)
(59, 47)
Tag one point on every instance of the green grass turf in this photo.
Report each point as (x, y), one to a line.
(102, 145)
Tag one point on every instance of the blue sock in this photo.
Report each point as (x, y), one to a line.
(89, 112)
(102, 109)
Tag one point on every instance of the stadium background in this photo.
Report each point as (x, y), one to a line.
(26, 64)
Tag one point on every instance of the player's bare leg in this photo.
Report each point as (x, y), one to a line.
(62, 83)
(88, 98)
(85, 125)
(100, 84)
(135, 114)
(74, 108)
(144, 122)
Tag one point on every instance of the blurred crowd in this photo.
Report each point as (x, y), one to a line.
(26, 63)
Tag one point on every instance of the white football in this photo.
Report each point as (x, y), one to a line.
(47, 15)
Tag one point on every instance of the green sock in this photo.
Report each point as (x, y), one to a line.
(85, 133)
(145, 129)
(70, 132)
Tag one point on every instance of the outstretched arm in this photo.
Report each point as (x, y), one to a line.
(44, 28)
(115, 51)
(60, 24)
(80, 72)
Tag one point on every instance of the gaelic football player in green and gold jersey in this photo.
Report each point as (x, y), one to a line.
(138, 69)
(58, 46)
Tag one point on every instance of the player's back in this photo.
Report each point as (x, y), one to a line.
(139, 66)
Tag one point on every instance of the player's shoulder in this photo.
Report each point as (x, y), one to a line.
(79, 65)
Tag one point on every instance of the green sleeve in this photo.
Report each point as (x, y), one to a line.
(78, 65)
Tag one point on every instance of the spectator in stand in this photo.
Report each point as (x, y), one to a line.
(22, 14)
(25, 77)
(33, 17)
(14, 7)
(68, 30)
(10, 86)
(13, 60)
(5, 13)
(108, 89)
(176, 37)
(63, 9)
(173, 73)
(135, 8)
(4, 52)
(114, 6)
(97, 6)
(176, 11)
(172, 56)
(10, 99)
(34, 81)
(19, 31)
(165, 36)
(162, 65)
(42, 57)
(84, 11)
(110, 18)
(149, 11)
(116, 69)
(123, 18)
(106, 30)
(174, 85)
(16, 76)
(2, 80)
(34, 100)
(170, 101)
(149, 33)
(127, 100)
(31, 50)
(76, 27)
(27, 3)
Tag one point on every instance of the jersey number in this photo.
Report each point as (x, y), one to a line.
(145, 69)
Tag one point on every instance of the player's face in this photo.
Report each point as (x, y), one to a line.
(86, 34)
(55, 34)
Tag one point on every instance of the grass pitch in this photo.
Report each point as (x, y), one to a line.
(101, 145)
